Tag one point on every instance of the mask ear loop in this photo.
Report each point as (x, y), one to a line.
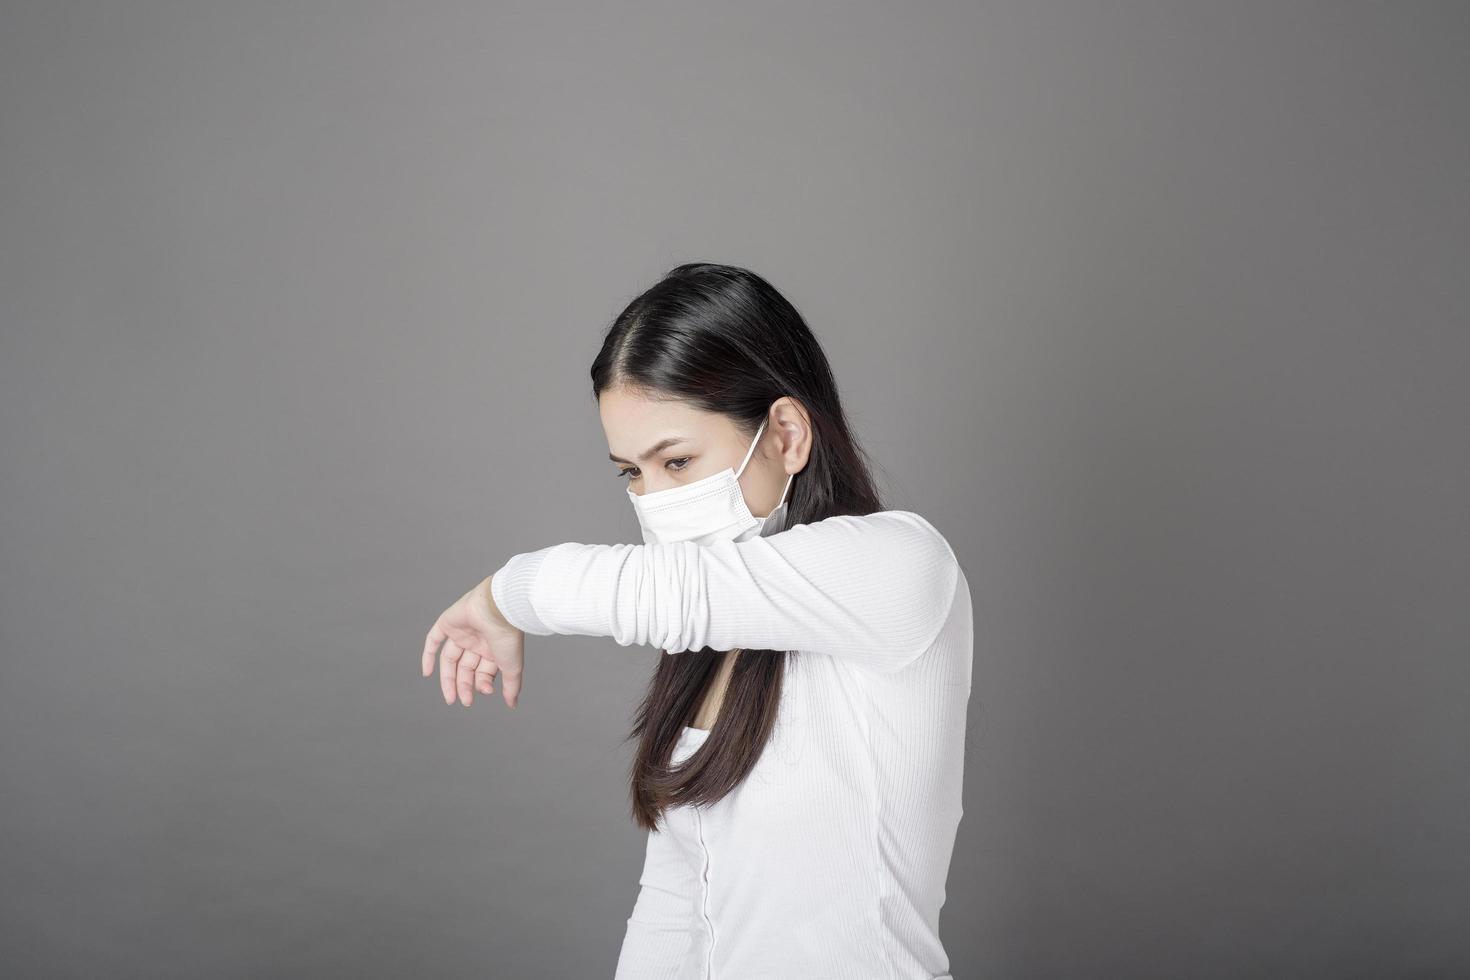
(751, 451)
(789, 478)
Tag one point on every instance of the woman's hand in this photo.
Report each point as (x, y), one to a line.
(478, 644)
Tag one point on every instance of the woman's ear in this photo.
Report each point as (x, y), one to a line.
(790, 421)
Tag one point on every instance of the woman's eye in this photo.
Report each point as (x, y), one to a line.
(632, 471)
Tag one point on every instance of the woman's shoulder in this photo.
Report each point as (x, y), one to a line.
(912, 519)
(914, 572)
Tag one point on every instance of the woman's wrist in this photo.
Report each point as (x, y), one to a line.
(497, 618)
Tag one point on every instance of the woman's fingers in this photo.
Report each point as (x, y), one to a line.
(465, 677)
(463, 671)
(448, 669)
(431, 645)
(511, 652)
(485, 676)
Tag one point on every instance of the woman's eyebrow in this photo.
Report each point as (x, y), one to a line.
(661, 445)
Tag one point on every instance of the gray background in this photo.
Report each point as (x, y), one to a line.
(1157, 311)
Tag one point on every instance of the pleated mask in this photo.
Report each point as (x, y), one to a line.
(708, 510)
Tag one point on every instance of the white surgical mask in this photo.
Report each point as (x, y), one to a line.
(707, 510)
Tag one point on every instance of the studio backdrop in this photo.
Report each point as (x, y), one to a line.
(1158, 311)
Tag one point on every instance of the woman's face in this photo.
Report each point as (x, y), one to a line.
(655, 445)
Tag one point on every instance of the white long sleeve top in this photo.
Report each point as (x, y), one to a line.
(829, 861)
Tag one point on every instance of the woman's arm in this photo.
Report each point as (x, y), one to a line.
(872, 589)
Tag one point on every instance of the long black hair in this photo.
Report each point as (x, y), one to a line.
(722, 339)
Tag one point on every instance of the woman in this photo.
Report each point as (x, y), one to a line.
(801, 749)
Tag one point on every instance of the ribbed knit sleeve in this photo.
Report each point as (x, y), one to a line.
(873, 589)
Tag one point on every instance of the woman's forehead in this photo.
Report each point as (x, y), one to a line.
(633, 424)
